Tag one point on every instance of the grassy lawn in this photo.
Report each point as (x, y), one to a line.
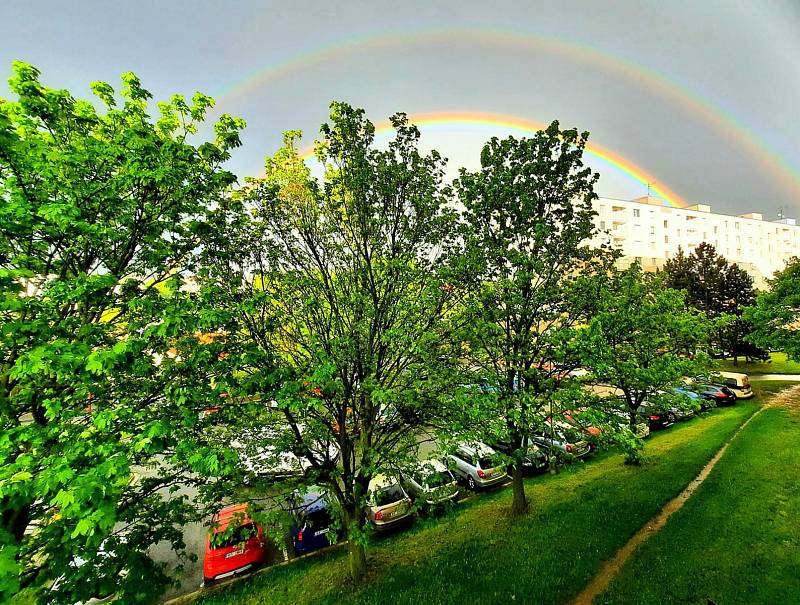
(477, 554)
(737, 540)
(778, 364)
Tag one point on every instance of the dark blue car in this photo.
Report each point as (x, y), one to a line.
(313, 523)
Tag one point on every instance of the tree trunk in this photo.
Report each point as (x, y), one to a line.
(519, 505)
(358, 560)
(354, 520)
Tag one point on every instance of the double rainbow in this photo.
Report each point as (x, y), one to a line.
(502, 125)
(532, 43)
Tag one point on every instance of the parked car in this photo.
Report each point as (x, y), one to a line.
(535, 457)
(578, 420)
(562, 440)
(658, 417)
(641, 428)
(696, 402)
(738, 383)
(715, 394)
(313, 522)
(431, 483)
(387, 502)
(477, 464)
(232, 551)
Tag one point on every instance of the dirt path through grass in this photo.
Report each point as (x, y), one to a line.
(611, 567)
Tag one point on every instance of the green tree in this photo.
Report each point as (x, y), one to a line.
(339, 279)
(99, 213)
(526, 224)
(776, 315)
(719, 289)
(642, 338)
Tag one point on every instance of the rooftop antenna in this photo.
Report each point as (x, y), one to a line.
(648, 188)
(780, 213)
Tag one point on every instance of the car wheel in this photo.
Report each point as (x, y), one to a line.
(671, 417)
(471, 482)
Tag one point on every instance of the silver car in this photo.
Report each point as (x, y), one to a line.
(431, 482)
(562, 440)
(478, 465)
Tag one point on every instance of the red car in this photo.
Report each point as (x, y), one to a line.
(237, 551)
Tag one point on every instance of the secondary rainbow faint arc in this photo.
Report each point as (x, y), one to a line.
(505, 123)
(723, 121)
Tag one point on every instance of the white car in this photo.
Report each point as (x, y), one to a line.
(622, 419)
(738, 383)
(431, 482)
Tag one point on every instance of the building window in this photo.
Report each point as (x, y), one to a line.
(602, 225)
(665, 224)
(666, 239)
(636, 213)
(652, 230)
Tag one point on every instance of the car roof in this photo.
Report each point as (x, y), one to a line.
(223, 518)
(314, 501)
(733, 375)
(381, 481)
(436, 465)
(476, 448)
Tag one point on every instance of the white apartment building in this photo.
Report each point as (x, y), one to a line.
(650, 231)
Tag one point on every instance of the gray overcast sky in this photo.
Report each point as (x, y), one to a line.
(703, 96)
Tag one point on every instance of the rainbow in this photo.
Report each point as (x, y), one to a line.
(507, 124)
(725, 123)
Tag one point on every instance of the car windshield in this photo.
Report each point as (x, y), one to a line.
(438, 479)
(388, 494)
(239, 536)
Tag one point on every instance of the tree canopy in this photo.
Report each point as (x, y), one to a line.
(776, 315)
(101, 376)
(642, 337)
(526, 224)
(719, 289)
(339, 280)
